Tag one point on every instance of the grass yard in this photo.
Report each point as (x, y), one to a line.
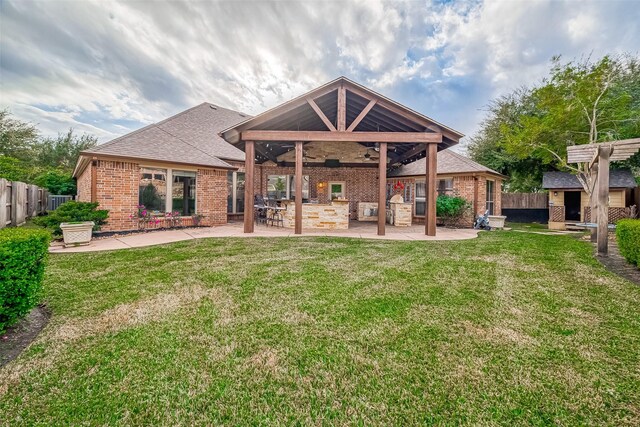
(510, 328)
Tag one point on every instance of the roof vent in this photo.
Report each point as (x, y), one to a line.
(213, 107)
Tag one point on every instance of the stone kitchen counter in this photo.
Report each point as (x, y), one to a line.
(333, 216)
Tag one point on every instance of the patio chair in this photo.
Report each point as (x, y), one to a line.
(274, 216)
(260, 210)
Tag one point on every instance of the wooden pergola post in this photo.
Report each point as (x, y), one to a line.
(597, 157)
(249, 167)
(382, 188)
(298, 185)
(593, 203)
(430, 189)
(603, 199)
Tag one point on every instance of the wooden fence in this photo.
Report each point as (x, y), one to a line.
(525, 200)
(19, 201)
(526, 207)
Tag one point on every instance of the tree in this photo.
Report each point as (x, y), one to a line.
(13, 169)
(56, 182)
(16, 137)
(47, 162)
(63, 151)
(528, 131)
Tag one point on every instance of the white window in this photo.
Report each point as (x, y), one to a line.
(420, 199)
(490, 196)
(337, 190)
(282, 187)
(235, 192)
(445, 186)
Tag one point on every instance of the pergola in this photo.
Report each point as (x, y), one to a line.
(346, 112)
(597, 158)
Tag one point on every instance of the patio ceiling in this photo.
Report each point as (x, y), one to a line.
(369, 118)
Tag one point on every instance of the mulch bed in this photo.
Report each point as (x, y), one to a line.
(616, 263)
(20, 335)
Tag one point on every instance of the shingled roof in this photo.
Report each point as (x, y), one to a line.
(449, 162)
(188, 137)
(619, 178)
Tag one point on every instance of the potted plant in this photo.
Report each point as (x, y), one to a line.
(75, 221)
(497, 221)
(77, 233)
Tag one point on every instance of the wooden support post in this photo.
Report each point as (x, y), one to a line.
(298, 185)
(430, 188)
(603, 200)
(593, 203)
(342, 108)
(249, 166)
(382, 188)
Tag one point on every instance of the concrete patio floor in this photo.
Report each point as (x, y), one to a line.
(358, 230)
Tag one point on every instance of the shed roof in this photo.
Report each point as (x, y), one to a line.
(449, 162)
(188, 137)
(618, 178)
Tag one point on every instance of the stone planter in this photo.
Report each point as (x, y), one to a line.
(496, 221)
(76, 233)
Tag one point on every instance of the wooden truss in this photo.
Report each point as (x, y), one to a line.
(342, 111)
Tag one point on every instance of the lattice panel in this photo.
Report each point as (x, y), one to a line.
(556, 213)
(615, 214)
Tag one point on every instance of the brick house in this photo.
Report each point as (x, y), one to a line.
(178, 164)
(457, 175)
(194, 162)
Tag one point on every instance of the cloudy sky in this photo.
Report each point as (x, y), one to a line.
(109, 67)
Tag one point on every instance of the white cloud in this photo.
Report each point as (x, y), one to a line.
(106, 66)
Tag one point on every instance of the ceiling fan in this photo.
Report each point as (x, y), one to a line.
(306, 155)
(367, 156)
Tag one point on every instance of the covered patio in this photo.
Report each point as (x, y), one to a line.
(345, 137)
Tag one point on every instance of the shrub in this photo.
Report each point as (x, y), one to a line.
(23, 255)
(73, 212)
(628, 236)
(451, 209)
(57, 182)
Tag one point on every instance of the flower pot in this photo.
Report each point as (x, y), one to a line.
(496, 221)
(76, 233)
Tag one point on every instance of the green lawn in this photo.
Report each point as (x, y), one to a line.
(510, 328)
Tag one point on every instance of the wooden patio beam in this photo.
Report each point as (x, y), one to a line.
(264, 153)
(342, 108)
(416, 119)
(430, 189)
(363, 113)
(603, 200)
(298, 185)
(342, 136)
(412, 152)
(382, 188)
(321, 114)
(249, 167)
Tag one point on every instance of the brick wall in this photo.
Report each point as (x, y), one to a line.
(117, 191)
(361, 183)
(211, 196)
(464, 186)
(84, 185)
